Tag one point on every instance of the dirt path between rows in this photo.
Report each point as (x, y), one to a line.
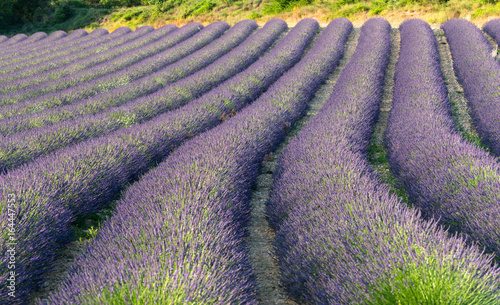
(494, 45)
(377, 154)
(261, 236)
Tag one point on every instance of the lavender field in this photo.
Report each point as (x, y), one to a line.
(252, 164)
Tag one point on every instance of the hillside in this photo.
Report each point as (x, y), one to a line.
(69, 15)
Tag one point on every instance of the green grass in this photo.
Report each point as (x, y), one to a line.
(74, 15)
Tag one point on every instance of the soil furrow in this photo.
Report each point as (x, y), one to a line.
(495, 53)
(261, 236)
(377, 153)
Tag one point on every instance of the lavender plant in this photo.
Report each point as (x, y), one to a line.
(3, 38)
(56, 37)
(12, 41)
(202, 191)
(341, 237)
(66, 65)
(447, 177)
(60, 40)
(477, 72)
(90, 175)
(492, 27)
(25, 43)
(105, 63)
(145, 108)
(58, 58)
(118, 78)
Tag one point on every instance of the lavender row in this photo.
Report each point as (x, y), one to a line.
(25, 146)
(57, 38)
(151, 44)
(92, 173)
(30, 41)
(202, 190)
(66, 65)
(3, 38)
(64, 57)
(91, 68)
(50, 46)
(492, 28)
(112, 80)
(100, 40)
(447, 177)
(341, 237)
(13, 40)
(478, 73)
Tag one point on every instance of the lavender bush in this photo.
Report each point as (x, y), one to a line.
(63, 41)
(92, 68)
(3, 38)
(90, 175)
(493, 29)
(445, 176)
(65, 65)
(341, 237)
(202, 191)
(69, 132)
(43, 62)
(25, 43)
(115, 79)
(12, 41)
(57, 37)
(477, 71)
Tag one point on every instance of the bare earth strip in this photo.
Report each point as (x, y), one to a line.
(461, 110)
(494, 45)
(377, 153)
(71, 250)
(261, 236)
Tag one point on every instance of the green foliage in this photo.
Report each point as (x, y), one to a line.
(119, 3)
(435, 281)
(167, 5)
(63, 12)
(277, 6)
(6, 13)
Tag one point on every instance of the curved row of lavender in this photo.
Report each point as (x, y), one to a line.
(75, 38)
(446, 177)
(22, 147)
(341, 237)
(12, 41)
(202, 192)
(55, 38)
(31, 41)
(3, 38)
(478, 73)
(128, 54)
(183, 44)
(42, 62)
(72, 63)
(79, 180)
(493, 29)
